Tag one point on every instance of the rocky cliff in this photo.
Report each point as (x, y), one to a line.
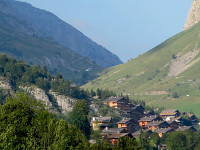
(194, 15)
(4, 84)
(39, 94)
(64, 103)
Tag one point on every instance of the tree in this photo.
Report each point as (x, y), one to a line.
(96, 135)
(126, 143)
(173, 56)
(104, 145)
(156, 139)
(144, 142)
(175, 95)
(26, 124)
(78, 117)
(176, 140)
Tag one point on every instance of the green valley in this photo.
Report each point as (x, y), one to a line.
(171, 68)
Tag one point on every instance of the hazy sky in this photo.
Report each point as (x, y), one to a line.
(127, 28)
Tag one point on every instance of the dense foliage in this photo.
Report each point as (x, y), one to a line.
(26, 124)
(183, 141)
(20, 73)
(78, 117)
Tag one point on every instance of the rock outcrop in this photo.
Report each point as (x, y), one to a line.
(39, 94)
(4, 84)
(64, 102)
(194, 15)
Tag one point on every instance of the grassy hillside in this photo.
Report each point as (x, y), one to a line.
(155, 76)
(25, 45)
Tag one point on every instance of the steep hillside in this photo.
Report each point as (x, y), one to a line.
(46, 24)
(160, 74)
(57, 94)
(42, 51)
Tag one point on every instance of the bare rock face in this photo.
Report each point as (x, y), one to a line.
(4, 84)
(38, 93)
(194, 15)
(64, 102)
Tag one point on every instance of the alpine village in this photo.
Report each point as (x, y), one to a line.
(61, 90)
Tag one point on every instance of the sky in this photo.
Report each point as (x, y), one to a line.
(127, 28)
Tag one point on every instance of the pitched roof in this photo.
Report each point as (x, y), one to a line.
(137, 133)
(184, 128)
(164, 130)
(148, 119)
(112, 131)
(117, 136)
(101, 119)
(113, 99)
(192, 116)
(125, 120)
(169, 112)
(156, 123)
(171, 121)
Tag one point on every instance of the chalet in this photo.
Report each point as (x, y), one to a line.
(115, 137)
(185, 128)
(179, 120)
(108, 131)
(129, 124)
(148, 113)
(138, 133)
(119, 102)
(101, 122)
(155, 125)
(136, 112)
(145, 120)
(193, 119)
(163, 131)
(169, 114)
(173, 124)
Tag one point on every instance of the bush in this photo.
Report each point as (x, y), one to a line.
(175, 95)
(173, 56)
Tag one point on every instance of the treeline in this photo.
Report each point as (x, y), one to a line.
(20, 73)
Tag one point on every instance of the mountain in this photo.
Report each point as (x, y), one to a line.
(46, 24)
(194, 15)
(19, 40)
(166, 76)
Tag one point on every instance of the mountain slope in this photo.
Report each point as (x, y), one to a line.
(155, 76)
(46, 24)
(42, 51)
(57, 94)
